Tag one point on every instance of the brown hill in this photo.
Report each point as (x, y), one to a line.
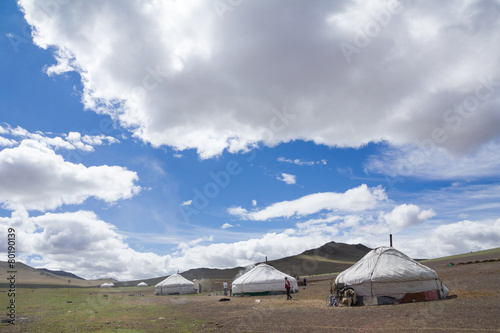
(61, 273)
(329, 258)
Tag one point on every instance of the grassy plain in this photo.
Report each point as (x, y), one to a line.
(94, 309)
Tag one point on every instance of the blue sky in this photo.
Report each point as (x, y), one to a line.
(141, 139)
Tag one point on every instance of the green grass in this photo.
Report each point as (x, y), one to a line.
(49, 310)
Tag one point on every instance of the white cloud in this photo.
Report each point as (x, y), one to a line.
(356, 199)
(298, 161)
(226, 225)
(406, 215)
(321, 226)
(183, 246)
(7, 142)
(32, 176)
(81, 243)
(287, 178)
(187, 203)
(245, 96)
(70, 141)
(254, 203)
(239, 211)
(100, 251)
(411, 161)
(455, 238)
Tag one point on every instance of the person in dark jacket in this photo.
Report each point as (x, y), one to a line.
(287, 287)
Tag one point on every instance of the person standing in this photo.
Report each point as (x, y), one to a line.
(225, 288)
(287, 287)
(305, 282)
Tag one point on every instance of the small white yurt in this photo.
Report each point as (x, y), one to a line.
(263, 280)
(175, 284)
(107, 285)
(142, 284)
(385, 275)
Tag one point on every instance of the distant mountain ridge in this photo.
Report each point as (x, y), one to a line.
(27, 276)
(61, 273)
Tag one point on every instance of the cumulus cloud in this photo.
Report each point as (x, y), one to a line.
(97, 251)
(101, 251)
(287, 178)
(197, 81)
(406, 215)
(34, 177)
(356, 199)
(226, 225)
(455, 238)
(70, 141)
(7, 142)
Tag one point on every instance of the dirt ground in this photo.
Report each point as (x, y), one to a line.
(474, 306)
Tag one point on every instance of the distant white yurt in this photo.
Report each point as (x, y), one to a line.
(142, 284)
(175, 284)
(263, 280)
(107, 285)
(385, 275)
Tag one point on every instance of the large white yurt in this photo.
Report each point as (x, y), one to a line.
(175, 284)
(386, 275)
(107, 285)
(142, 284)
(263, 280)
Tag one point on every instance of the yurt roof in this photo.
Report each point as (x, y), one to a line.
(262, 273)
(175, 280)
(385, 264)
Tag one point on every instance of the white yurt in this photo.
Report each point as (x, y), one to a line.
(142, 284)
(175, 284)
(386, 275)
(107, 285)
(263, 280)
